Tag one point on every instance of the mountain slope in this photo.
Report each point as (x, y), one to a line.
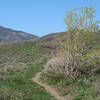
(51, 36)
(9, 35)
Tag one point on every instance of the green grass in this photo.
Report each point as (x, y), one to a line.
(26, 60)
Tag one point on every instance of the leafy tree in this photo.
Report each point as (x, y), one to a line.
(79, 38)
(81, 28)
(72, 57)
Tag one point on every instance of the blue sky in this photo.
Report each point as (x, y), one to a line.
(40, 17)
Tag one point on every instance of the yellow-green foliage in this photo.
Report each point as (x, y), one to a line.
(81, 29)
(75, 44)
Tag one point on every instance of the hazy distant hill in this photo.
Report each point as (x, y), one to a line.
(51, 36)
(9, 35)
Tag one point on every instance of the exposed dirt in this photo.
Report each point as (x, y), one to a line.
(50, 89)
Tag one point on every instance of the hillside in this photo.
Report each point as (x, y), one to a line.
(9, 35)
(21, 61)
(50, 37)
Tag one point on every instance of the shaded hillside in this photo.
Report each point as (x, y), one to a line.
(53, 37)
(50, 37)
(9, 35)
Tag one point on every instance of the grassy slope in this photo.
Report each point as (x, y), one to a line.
(19, 62)
(26, 59)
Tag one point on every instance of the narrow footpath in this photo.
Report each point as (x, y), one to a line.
(50, 89)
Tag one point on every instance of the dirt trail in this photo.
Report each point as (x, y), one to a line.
(50, 89)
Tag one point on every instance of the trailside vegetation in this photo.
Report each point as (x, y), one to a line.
(73, 52)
